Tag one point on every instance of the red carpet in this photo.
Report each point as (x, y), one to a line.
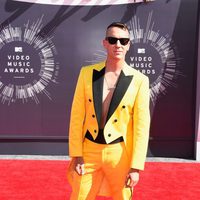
(46, 180)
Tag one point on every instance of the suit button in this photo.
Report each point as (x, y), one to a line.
(109, 135)
(93, 116)
(90, 100)
(115, 120)
(95, 131)
(123, 106)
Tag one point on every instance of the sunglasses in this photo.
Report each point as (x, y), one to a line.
(113, 40)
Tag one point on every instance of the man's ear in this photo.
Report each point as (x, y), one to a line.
(129, 44)
(104, 43)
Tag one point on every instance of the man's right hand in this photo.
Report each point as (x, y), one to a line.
(79, 165)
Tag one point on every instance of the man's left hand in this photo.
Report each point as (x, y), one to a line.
(132, 178)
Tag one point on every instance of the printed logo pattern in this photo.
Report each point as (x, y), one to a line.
(28, 63)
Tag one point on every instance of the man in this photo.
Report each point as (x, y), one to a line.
(109, 124)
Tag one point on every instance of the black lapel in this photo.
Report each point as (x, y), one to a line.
(98, 92)
(121, 88)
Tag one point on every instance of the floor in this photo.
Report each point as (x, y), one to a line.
(41, 157)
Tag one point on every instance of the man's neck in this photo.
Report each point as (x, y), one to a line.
(114, 66)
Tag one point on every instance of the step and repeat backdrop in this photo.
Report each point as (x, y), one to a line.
(43, 45)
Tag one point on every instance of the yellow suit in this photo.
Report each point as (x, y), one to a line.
(128, 114)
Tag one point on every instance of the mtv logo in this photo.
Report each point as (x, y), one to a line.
(141, 50)
(18, 49)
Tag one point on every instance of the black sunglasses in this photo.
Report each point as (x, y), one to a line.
(113, 40)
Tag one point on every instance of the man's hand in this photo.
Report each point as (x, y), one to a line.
(79, 165)
(132, 178)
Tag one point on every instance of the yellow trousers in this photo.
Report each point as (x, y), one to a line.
(102, 161)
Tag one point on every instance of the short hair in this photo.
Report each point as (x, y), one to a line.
(119, 25)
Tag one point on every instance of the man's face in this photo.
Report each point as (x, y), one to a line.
(116, 51)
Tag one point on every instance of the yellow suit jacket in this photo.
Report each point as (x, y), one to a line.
(128, 115)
